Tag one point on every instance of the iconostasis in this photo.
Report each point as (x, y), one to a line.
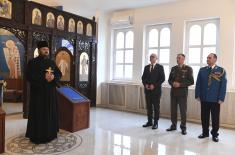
(71, 38)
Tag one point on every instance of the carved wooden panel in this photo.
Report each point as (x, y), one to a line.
(31, 22)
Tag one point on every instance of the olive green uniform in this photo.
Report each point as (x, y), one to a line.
(183, 75)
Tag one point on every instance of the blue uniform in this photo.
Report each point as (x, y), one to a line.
(211, 89)
(211, 84)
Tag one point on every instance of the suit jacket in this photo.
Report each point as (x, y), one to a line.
(155, 77)
(183, 75)
(211, 84)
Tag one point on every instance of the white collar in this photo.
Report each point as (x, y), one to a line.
(212, 67)
(153, 64)
(181, 65)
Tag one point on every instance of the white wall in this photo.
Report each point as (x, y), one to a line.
(178, 13)
(102, 52)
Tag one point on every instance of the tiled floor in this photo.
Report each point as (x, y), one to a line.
(121, 133)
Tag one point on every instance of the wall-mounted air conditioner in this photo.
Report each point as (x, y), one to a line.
(122, 20)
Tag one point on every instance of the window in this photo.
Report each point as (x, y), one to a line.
(123, 54)
(201, 40)
(68, 45)
(158, 41)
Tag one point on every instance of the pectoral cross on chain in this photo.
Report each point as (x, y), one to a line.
(49, 70)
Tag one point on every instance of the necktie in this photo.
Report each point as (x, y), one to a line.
(151, 68)
(209, 76)
(210, 69)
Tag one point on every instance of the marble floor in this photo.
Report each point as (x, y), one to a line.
(121, 133)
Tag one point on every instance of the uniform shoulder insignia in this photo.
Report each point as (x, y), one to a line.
(220, 68)
(174, 67)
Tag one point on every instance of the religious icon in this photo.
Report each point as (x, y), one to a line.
(71, 25)
(5, 9)
(84, 61)
(63, 65)
(50, 20)
(89, 30)
(60, 22)
(84, 65)
(63, 62)
(12, 57)
(79, 27)
(36, 17)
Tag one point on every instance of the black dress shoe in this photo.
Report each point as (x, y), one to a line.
(215, 139)
(171, 128)
(183, 132)
(155, 126)
(147, 124)
(202, 136)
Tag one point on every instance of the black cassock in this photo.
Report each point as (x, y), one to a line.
(42, 124)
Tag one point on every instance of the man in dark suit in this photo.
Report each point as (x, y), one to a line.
(210, 91)
(152, 79)
(180, 78)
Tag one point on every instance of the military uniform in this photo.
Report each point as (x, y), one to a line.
(184, 75)
(211, 89)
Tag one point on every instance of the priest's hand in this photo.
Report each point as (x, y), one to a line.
(151, 87)
(49, 76)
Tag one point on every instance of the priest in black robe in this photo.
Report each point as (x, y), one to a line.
(43, 76)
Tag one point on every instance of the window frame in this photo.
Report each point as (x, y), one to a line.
(202, 24)
(159, 28)
(115, 49)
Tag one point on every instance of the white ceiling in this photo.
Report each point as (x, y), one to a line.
(88, 8)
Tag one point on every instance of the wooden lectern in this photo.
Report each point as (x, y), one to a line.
(74, 109)
(2, 130)
(1, 92)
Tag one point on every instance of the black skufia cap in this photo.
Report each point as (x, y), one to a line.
(41, 44)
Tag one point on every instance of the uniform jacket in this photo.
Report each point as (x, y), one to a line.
(211, 84)
(183, 75)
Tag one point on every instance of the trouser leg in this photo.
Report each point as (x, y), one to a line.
(205, 117)
(156, 107)
(149, 107)
(182, 100)
(174, 110)
(215, 114)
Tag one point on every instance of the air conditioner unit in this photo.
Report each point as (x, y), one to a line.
(122, 21)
